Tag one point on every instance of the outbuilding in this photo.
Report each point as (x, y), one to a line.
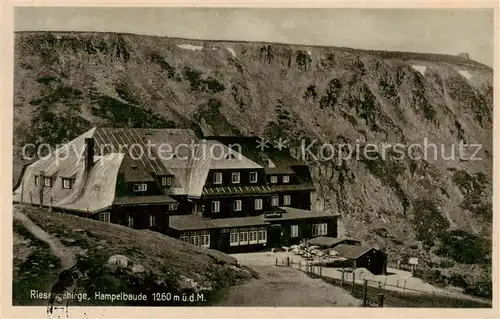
(372, 259)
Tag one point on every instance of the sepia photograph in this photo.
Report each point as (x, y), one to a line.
(252, 157)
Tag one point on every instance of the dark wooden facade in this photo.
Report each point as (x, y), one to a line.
(373, 260)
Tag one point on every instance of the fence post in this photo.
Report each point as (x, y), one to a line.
(300, 265)
(380, 300)
(276, 261)
(320, 270)
(353, 280)
(404, 285)
(365, 294)
(288, 261)
(342, 280)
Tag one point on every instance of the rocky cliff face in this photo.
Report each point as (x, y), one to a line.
(68, 82)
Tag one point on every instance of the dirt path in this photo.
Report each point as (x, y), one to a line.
(65, 254)
(284, 287)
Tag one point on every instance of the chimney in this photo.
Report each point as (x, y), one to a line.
(89, 153)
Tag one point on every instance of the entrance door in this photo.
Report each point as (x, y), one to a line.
(223, 242)
(274, 236)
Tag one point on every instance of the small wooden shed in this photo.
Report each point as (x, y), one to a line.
(372, 259)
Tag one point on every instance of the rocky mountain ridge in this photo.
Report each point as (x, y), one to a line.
(66, 82)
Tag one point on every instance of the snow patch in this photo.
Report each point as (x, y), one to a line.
(309, 52)
(419, 68)
(190, 47)
(232, 52)
(465, 74)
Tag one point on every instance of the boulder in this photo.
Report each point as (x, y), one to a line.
(118, 260)
(138, 268)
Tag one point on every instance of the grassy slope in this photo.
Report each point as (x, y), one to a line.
(35, 267)
(164, 258)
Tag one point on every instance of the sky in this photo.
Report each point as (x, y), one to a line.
(447, 31)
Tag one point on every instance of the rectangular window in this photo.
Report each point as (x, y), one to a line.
(217, 178)
(320, 229)
(294, 231)
(258, 204)
(233, 239)
(215, 206)
(244, 238)
(37, 181)
(166, 181)
(66, 183)
(262, 236)
(152, 221)
(205, 241)
(140, 187)
(287, 200)
(104, 217)
(286, 179)
(253, 177)
(184, 239)
(195, 240)
(237, 205)
(172, 206)
(274, 179)
(252, 237)
(235, 177)
(275, 201)
(47, 181)
(131, 222)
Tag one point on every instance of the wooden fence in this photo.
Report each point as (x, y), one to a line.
(373, 293)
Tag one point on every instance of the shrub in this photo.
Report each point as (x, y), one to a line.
(428, 221)
(463, 247)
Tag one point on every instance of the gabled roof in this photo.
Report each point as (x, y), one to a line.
(353, 251)
(306, 186)
(296, 213)
(93, 191)
(240, 190)
(171, 152)
(194, 222)
(143, 200)
(325, 241)
(134, 170)
(282, 161)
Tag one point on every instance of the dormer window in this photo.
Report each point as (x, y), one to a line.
(47, 181)
(217, 178)
(37, 180)
(253, 177)
(235, 177)
(286, 179)
(274, 179)
(140, 187)
(66, 183)
(166, 181)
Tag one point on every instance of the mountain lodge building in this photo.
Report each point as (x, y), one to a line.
(222, 193)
